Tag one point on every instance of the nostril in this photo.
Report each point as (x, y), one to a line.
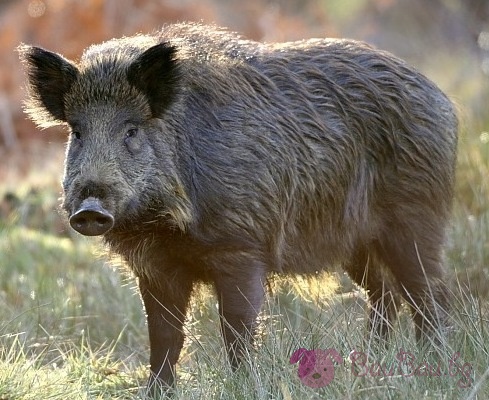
(102, 220)
(78, 220)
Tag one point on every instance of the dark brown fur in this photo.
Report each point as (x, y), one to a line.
(213, 158)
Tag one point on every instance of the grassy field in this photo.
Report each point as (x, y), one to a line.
(72, 327)
(72, 324)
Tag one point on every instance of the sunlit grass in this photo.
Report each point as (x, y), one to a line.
(77, 368)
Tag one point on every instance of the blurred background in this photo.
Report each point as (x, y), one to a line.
(448, 40)
(44, 263)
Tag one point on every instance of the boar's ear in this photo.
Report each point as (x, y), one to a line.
(155, 74)
(50, 77)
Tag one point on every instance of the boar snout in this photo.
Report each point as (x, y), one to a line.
(91, 219)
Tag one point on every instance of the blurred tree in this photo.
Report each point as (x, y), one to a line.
(4, 4)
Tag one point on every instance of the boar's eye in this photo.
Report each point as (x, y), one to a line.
(77, 135)
(131, 140)
(131, 133)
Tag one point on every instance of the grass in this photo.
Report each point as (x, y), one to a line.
(72, 330)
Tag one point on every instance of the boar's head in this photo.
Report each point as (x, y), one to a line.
(121, 160)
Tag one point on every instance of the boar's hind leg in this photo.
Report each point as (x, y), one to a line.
(416, 265)
(165, 306)
(240, 294)
(365, 271)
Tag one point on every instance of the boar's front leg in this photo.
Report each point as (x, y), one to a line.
(166, 303)
(240, 291)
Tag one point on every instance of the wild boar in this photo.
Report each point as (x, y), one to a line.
(202, 156)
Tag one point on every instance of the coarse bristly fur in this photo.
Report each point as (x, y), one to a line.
(221, 160)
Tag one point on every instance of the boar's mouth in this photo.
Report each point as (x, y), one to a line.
(91, 218)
